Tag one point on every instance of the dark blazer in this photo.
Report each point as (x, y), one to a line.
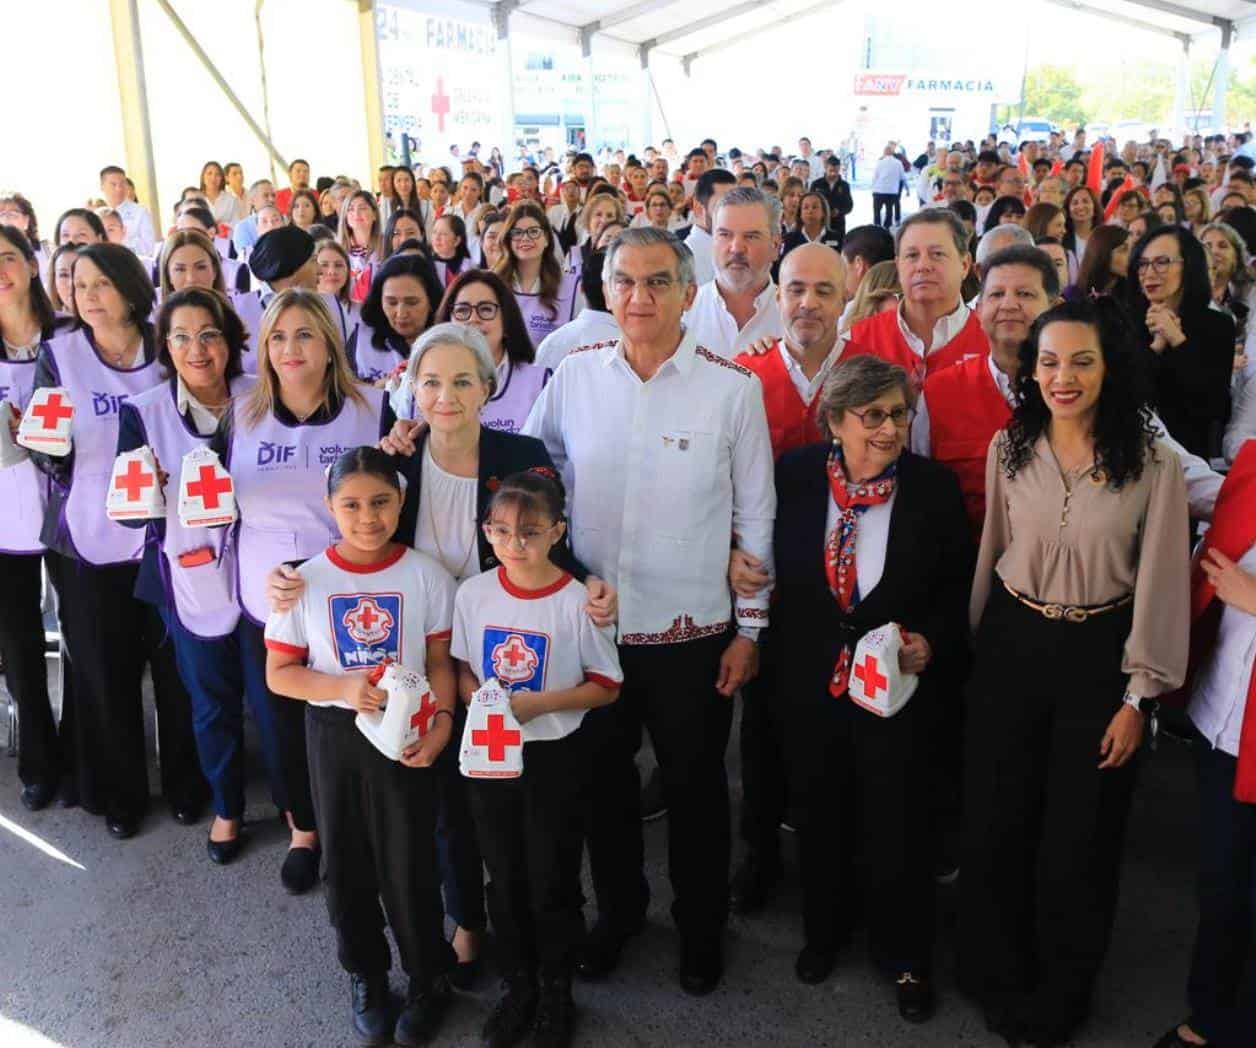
(501, 454)
(924, 587)
(1191, 384)
(840, 202)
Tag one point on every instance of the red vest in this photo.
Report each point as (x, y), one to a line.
(791, 423)
(966, 410)
(879, 336)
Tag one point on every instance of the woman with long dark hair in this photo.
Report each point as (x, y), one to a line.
(108, 357)
(1104, 268)
(531, 270)
(449, 247)
(1006, 210)
(1188, 347)
(1082, 216)
(399, 308)
(1080, 606)
(27, 322)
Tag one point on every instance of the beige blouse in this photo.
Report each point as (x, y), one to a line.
(1070, 539)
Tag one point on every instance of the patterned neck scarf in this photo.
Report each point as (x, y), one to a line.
(839, 549)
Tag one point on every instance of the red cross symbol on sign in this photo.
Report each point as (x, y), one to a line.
(52, 411)
(134, 481)
(426, 711)
(440, 103)
(209, 486)
(496, 737)
(513, 660)
(868, 673)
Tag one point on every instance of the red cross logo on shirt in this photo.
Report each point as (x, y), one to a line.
(209, 487)
(52, 411)
(496, 737)
(368, 622)
(440, 103)
(868, 673)
(134, 481)
(513, 660)
(424, 715)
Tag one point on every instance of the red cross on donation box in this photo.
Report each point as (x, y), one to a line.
(46, 425)
(492, 741)
(869, 675)
(134, 491)
(206, 493)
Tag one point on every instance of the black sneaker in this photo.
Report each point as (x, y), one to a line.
(372, 1011)
(653, 797)
(555, 1013)
(424, 1012)
(512, 1016)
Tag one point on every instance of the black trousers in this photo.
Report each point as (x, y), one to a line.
(764, 782)
(531, 831)
(39, 758)
(377, 824)
(289, 714)
(110, 636)
(670, 690)
(860, 785)
(1045, 828)
(1222, 984)
(458, 847)
(884, 206)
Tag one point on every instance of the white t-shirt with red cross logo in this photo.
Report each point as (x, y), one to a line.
(352, 617)
(533, 640)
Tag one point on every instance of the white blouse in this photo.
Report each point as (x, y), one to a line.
(446, 525)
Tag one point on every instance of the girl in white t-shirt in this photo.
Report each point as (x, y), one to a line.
(525, 624)
(367, 601)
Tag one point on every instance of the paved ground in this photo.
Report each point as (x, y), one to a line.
(145, 943)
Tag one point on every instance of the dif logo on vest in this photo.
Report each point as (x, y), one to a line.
(276, 455)
(107, 403)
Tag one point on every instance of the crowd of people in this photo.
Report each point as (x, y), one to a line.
(639, 439)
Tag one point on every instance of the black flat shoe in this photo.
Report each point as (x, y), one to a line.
(122, 825)
(916, 999)
(513, 1014)
(223, 852)
(601, 952)
(299, 872)
(372, 1008)
(701, 966)
(69, 793)
(424, 1013)
(814, 965)
(38, 795)
(555, 1014)
(753, 885)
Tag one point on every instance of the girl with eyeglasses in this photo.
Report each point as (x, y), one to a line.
(1187, 346)
(531, 829)
(530, 269)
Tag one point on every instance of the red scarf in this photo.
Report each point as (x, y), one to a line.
(1233, 532)
(839, 549)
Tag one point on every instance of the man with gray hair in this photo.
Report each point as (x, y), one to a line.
(738, 308)
(245, 234)
(998, 239)
(663, 448)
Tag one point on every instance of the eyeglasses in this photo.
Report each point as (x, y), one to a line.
(10, 217)
(530, 233)
(182, 341)
(484, 310)
(874, 418)
(1157, 265)
(655, 285)
(500, 535)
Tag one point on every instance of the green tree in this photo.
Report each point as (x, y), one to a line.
(1054, 92)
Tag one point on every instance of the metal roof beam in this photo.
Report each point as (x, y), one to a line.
(1179, 11)
(697, 26)
(727, 42)
(1111, 16)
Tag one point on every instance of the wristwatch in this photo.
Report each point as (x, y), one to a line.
(1149, 708)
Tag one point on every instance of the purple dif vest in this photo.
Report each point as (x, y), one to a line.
(370, 362)
(22, 486)
(204, 596)
(280, 486)
(539, 319)
(96, 391)
(249, 307)
(508, 410)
